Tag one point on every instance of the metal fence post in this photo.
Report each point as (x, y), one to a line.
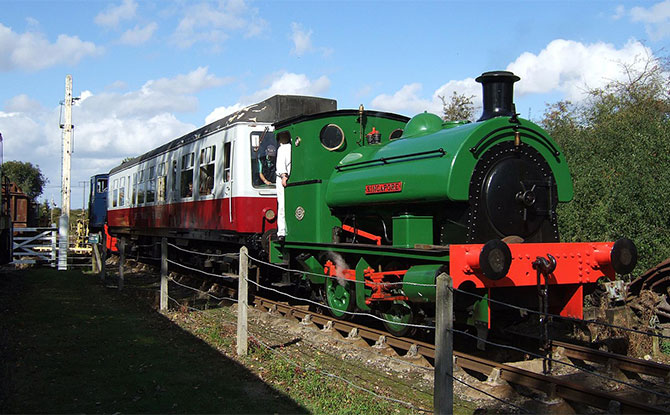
(164, 274)
(443, 393)
(242, 300)
(122, 259)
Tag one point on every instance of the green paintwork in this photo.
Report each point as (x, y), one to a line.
(434, 256)
(435, 176)
(361, 292)
(422, 124)
(399, 312)
(480, 312)
(277, 254)
(409, 230)
(421, 274)
(310, 162)
(339, 297)
(313, 266)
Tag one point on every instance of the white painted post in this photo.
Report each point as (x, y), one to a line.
(242, 300)
(54, 248)
(443, 393)
(122, 258)
(64, 221)
(164, 274)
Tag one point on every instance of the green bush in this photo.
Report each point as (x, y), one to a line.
(617, 144)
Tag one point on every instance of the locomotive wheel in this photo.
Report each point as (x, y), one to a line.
(340, 298)
(399, 312)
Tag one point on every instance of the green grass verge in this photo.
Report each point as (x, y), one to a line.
(70, 345)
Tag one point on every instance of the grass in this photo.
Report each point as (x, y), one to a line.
(70, 345)
(301, 371)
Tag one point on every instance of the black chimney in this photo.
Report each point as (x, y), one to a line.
(498, 91)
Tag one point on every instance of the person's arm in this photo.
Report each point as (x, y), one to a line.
(264, 179)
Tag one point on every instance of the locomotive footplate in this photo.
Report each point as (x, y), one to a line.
(576, 264)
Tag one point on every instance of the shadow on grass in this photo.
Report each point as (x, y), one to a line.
(67, 344)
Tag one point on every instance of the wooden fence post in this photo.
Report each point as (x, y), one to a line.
(103, 260)
(443, 393)
(122, 259)
(242, 300)
(95, 257)
(164, 274)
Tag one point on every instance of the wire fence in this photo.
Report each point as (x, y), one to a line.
(397, 323)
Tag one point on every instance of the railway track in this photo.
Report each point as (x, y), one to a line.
(552, 386)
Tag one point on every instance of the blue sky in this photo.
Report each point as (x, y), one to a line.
(149, 71)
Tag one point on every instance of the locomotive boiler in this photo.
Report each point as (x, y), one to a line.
(377, 208)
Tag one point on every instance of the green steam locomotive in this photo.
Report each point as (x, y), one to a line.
(378, 205)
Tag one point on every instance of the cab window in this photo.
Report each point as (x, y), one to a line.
(101, 186)
(263, 158)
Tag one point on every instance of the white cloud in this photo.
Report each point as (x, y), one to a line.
(138, 35)
(33, 51)
(114, 14)
(302, 40)
(573, 67)
(213, 23)
(109, 126)
(655, 18)
(292, 84)
(284, 83)
(564, 66)
(406, 99)
(194, 81)
(117, 85)
(21, 103)
(220, 112)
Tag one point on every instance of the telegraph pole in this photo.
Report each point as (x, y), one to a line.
(84, 209)
(64, 222)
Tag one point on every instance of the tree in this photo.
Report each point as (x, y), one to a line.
(459, 107)
(28, 177)
(616, 143)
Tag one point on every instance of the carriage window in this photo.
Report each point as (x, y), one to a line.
(140, 184)
(187, 175)
(162, 181)
(206, 179)
(174, 175)
(227, 173)
(115, 193)
(263, 158)
(151, 185)
(134, 195)
(122, 192)
(101, 186)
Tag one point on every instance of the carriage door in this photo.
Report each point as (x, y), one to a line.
(228, 178)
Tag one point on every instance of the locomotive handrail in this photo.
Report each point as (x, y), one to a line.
(385, 160)
(537, 136)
